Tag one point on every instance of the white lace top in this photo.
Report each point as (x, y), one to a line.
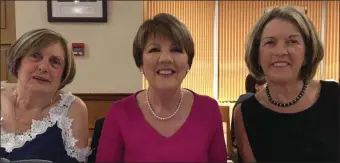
(57, 115)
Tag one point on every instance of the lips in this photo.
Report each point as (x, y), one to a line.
(41, 78)
(166, 72)
(280, 64)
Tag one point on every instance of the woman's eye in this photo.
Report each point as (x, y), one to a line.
(178, 50)
(35, 56)
(55, 61)
(293, 41)
(153, 50)
(268, 42)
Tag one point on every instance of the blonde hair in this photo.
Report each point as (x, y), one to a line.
(313, 45)
(34, 41)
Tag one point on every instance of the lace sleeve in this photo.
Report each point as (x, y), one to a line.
(74, 126)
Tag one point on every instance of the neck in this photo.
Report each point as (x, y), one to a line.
(164, 100)
(284, 92)
(31, 100)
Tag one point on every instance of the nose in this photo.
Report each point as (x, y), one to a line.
(43, 65)
(165, 57)
(281, 49)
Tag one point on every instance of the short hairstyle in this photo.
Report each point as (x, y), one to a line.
(251, 82)
(313, 45)
(34, 41)
(163, 25)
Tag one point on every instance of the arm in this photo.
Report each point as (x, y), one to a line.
(243, 145)
(111, 146)
(217, 149)
(75, 132)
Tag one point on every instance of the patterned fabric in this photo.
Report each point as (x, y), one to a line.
(50, 136)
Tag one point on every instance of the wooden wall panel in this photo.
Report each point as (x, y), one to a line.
(7, 30)
(98, 105)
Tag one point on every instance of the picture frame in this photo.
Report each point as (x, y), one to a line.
(77, 10)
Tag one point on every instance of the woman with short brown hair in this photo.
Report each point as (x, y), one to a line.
(164, 123)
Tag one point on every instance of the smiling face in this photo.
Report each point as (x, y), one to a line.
(42, 70)
(281, 51)
(165, 63)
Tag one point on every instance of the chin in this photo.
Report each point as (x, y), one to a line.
(281, 78)
(165, 86)
(40, 88)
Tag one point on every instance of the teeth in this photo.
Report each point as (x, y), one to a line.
(280, 64)
(165, 72)
(39, 78)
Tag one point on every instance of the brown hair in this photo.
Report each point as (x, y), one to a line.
(251, 83)
(36, 40)
(163, 25)
(313, 45)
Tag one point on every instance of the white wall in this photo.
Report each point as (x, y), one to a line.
(108, 66)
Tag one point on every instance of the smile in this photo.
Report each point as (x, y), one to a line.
(280, 64)
(166, 72)
(40, 79)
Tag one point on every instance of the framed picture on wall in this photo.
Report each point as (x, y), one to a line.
(77, 10)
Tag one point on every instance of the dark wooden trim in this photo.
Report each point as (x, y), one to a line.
(102, 96)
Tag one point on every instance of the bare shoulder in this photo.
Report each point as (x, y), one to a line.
(7, 87)
(237, 112)
(78, 108)
(7, 91)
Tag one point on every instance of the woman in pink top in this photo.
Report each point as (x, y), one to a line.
(163, 123)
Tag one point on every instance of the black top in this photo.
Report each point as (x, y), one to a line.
(308, 136)
(95, 139)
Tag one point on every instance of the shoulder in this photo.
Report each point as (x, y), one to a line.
(244, 97)
(7, 88)
(123, 105)
(206, 104)
(204, 100)
(238, 112)
(78, 108)
(329, 84)
(7, 92)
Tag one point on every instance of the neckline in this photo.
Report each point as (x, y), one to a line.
(305, 111)
(35, 121)
(153, 130)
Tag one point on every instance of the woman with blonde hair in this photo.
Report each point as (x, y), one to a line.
(38, 119)
(295, 118)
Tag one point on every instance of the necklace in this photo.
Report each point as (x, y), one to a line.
(163, 118)
(17, 131)
(302, 92)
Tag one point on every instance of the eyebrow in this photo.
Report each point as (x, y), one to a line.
(151, 44)
(290, 36)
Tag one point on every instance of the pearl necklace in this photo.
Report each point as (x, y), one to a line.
(153, 112)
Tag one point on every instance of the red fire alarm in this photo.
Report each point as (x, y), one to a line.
(78, 49)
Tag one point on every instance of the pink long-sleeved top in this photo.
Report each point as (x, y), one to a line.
(127, 137)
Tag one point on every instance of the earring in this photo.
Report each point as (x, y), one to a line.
(142, 72)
